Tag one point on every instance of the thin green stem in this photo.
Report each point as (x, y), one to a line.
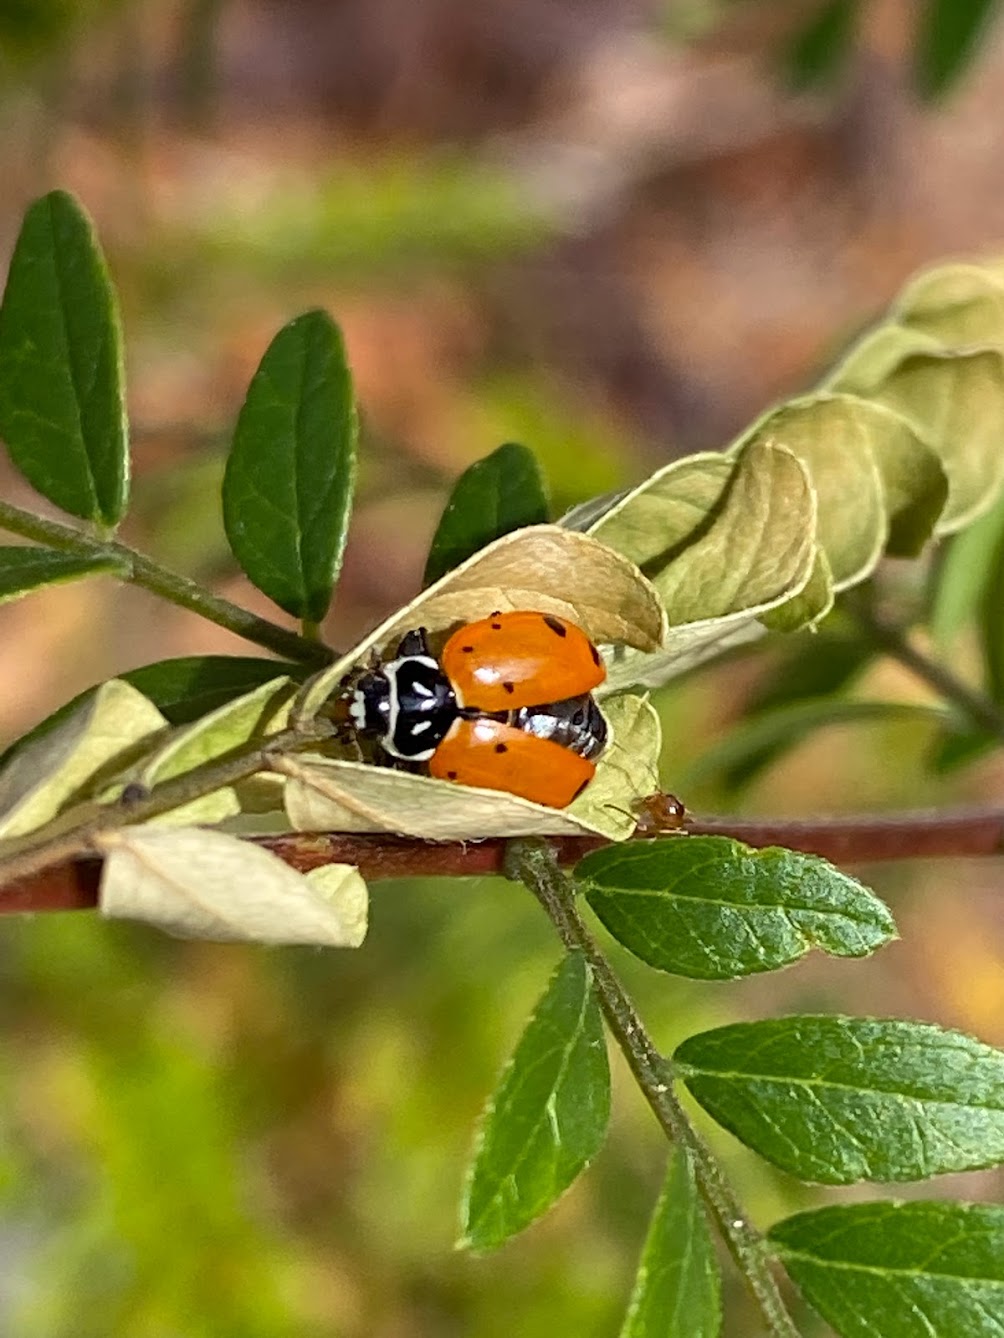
(980, 709)
(534, 863)
(169, 585)
(81, 840)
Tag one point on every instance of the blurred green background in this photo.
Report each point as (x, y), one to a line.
(609, 230)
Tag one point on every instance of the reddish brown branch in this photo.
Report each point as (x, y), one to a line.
(844, 840)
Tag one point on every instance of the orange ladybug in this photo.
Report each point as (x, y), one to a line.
(520, 659)
(507, 706)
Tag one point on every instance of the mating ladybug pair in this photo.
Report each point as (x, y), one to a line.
(506, 706)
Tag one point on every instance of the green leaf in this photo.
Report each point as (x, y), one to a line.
(950, 32)
(991, 623)
(24, 569)
(965, 574)
(842, 1099)
(62, 403)
(191, 686)
(503, 492)
(959, 745)
(761, 740)
(714, 909)
(677, 1291)
(287, 490)
(548, 1117)
(809, 672)
(182, 689)
(822, 47)
(900, 1270)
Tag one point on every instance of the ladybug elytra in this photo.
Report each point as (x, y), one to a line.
(507, 706)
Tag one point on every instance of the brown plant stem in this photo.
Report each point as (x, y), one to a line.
(533, 863)
(72, 884)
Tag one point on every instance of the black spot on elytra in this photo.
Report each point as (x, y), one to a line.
(509, 687)
(495, 613)
(496, 627)
(595, 653)
(451, 775)
(501, 747)
(468, 650)
(558, 628)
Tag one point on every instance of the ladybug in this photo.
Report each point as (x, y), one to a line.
(507, 706)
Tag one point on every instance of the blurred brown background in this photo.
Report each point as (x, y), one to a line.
(607, 229)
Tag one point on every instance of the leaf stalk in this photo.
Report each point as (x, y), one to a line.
(535, 864)
(170, 585)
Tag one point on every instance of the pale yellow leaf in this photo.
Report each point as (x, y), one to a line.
(253, 716)
(108, 731)
(203, 884)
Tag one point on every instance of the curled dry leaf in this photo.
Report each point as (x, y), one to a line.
(956, 305)
(952, 401)
(203, 884)
(255, 715)
(723, 541)
(627, 771)
(328, 794)
(542, 567)
(107, 732)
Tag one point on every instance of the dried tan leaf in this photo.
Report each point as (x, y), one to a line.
(203, 884)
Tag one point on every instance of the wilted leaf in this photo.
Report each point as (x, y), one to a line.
(287, 492)
(548, 1117)
(677, 1292)
(545, 567)
(831, 440)
(202, 884)
(876, 355)
(107, 732)
(627, 771)
(899, 1269)
(494, 496)
(652, 523)
(24, 569)
(182, 689)
(750, 547)
(62, 403)
(713, 909)
(812, 603)
(954, 402)
(956, 305)
(254, 716)
(842, 1099)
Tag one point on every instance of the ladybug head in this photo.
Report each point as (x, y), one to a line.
(407, 704)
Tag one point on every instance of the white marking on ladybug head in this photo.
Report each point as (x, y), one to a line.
(357, 709)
